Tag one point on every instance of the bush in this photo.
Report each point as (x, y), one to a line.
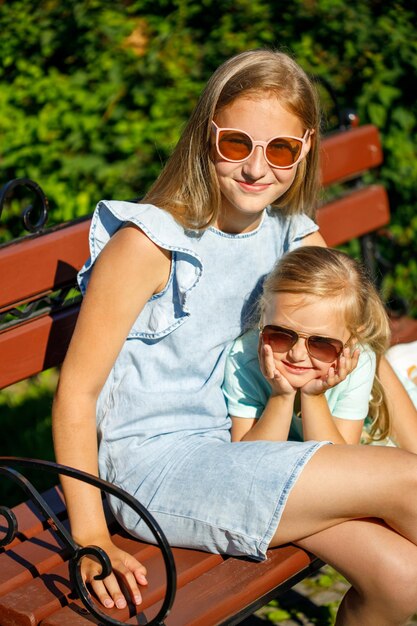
(94, 93)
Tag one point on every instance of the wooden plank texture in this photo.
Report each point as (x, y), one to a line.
(358, 213)
(38, 263)
(345, 154)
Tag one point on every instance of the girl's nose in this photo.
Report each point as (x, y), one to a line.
(299, 350)
(256, 166)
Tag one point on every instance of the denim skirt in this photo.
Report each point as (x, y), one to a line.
(218, 496)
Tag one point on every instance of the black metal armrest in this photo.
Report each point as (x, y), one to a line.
(7, 468)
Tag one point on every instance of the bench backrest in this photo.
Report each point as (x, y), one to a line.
(38, 303)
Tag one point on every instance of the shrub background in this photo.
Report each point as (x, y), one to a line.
(94, 93)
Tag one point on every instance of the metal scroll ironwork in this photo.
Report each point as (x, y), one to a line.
(56, 301)
(7, 468)
(28, 213)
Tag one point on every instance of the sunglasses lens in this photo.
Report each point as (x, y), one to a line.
(323, 349)
(283, 151)
(234, 145)
(279, 340)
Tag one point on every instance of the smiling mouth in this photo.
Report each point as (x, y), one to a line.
(254, 187)
(296, 369)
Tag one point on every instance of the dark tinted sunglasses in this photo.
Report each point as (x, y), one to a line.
(282, 339)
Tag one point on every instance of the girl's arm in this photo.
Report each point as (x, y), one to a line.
(277, 428)
(273, 425)
(128, 272)
(402, 410)
(275, 421)
(319, 422)
(320, 425)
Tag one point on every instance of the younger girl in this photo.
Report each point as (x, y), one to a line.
(321, 318)
(167, 289)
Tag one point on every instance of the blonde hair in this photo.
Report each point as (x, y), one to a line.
(329, 273)
(187, 186)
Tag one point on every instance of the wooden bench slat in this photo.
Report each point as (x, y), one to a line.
(205, 602)
(37, 266)
(37, 345)
(29, 559)
(30, 522)
(346, 154)
(45, 598)
(212, 597)
(360, 212)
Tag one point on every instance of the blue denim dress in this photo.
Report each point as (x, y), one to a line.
(163, 426)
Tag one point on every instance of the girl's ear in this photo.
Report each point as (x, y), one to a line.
(309, 142)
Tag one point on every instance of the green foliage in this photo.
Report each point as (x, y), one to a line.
(314, 600)
(94, 93)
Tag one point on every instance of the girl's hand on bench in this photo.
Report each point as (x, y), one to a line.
(125, 568)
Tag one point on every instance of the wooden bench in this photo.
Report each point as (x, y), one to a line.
(38, 310)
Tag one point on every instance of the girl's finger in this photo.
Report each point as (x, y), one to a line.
(139, 571)
(342, 368)
(268, 361)
(330, 379)
(108, 592)
(131, 583)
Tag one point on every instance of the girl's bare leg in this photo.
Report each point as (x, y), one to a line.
(350, 482)
(345, 482)
(380, 564)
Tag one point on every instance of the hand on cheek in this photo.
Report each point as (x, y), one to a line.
(338, 371)
(280, 385)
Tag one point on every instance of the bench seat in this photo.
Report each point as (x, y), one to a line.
(211, 589)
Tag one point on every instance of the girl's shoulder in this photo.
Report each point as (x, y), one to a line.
(159, 225)
(292, 227)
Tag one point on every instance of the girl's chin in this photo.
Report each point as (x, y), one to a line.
(298, 382)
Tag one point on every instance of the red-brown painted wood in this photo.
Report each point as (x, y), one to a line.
(358, 213)
(345, 154)
(35, 346)
(39, 263)
(30, 522)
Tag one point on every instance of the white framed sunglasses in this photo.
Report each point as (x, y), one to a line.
(282, 152)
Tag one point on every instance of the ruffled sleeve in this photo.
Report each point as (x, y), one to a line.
(299, 226)
(166, 310)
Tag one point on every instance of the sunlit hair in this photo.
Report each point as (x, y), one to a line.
(187, 186)
(327, 273)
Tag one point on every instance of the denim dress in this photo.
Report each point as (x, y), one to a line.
(163, 426)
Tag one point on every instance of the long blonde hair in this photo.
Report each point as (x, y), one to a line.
(187, 186)
(329, 273)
